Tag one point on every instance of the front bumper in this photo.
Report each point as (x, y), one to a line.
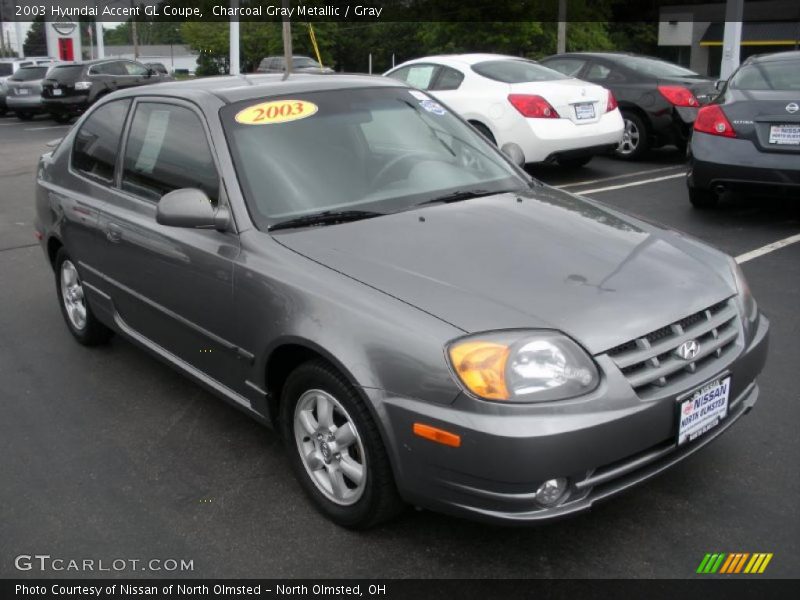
(737, 164)
(604, 443)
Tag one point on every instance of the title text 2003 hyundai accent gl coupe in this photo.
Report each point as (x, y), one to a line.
(423, 322)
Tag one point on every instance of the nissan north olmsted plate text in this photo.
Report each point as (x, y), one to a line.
(347, 259)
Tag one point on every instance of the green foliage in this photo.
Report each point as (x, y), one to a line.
(35, 43)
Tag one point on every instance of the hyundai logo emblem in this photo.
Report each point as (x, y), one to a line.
(792, 107)
(688, 350)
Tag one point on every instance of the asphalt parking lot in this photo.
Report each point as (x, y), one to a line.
(107, 453)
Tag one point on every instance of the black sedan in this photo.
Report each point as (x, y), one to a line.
(658, 99)
(748, 139)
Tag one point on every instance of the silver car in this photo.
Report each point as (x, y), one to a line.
(348, 261)
(9, 66)
(24, 92)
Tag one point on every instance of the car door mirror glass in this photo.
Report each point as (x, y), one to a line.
(191, 208)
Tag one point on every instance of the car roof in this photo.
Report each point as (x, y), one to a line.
(463, 59)
(235, 88)
(777, 56)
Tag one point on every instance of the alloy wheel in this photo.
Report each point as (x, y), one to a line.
(330, 447)
(72, 295)
(630, 139)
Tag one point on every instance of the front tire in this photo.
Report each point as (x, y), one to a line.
(335, 448)
(61, 117)
(24, 115)
(80, 319)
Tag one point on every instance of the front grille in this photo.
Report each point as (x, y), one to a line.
(651, 362)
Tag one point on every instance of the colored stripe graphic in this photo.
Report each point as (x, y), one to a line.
(734, 563)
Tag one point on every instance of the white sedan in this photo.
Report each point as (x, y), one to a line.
(533, 113)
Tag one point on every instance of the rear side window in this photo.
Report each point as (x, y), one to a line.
(6, 69)
(167, 150)
(96, 146)
(448, 79)
(132, 68)
(516, 71)
(568, 66)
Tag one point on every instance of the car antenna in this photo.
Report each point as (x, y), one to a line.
(287, 41)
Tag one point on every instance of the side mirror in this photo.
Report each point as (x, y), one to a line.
(191, 208)
(719, 84)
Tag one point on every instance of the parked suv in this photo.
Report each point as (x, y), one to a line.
(300, 64)
(9, 66)
(658, 99)
(70, 89)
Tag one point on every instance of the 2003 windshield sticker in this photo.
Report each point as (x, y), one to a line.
(279, 111)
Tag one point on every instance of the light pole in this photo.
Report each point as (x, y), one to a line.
(732, 38)
(234, 40)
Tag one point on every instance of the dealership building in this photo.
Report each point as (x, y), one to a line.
(692, 34)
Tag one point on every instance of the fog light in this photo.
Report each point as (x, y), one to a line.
(551, 491)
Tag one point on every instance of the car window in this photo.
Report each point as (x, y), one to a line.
(781, 75)
(132, 68)
(652, 67)
(400, 74)
(598, 72)
(304, 61)
(420, 76)
(29, 74)
(167, 150)
(568, 66)
(6, 69)
(114, 68)
(516, 71)
(448, 79)
(96, 146)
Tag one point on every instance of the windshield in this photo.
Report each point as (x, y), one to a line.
(382, 150)
(516, 71)
(29, 74)
(783, 75)
(6, 69)
(653, 67)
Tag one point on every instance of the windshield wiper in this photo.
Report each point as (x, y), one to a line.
(326, 217)
(461, 195)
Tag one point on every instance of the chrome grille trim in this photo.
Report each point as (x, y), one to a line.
(650, 360)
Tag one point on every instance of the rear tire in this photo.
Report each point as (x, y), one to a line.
(77, 313)
(574, 163)
(634, 142)
(335, 449)
(24, 115)
(60, 117)
(703, 199)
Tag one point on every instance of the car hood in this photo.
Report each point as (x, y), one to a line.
(547, 259)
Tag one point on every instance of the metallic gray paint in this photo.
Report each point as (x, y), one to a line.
(381, 298)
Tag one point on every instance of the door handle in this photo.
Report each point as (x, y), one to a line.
(113, 234)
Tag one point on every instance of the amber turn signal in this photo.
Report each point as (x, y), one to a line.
(481, 367)
(440, 436)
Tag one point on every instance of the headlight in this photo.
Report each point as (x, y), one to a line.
(83, 85)
(747, 303)
(523, 366)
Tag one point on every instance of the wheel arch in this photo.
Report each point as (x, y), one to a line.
(53, 246)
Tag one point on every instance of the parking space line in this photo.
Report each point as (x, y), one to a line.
(48, 127)
(623, 176)
(792, 239)
(631, 184)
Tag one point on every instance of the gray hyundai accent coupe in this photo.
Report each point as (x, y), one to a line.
(347, 260)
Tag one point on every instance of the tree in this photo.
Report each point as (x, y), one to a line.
(35, 43)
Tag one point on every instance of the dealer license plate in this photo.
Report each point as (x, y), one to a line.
(57, 92)
(23, 92)
(784, 134)
(584, 111)
(703, 410)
